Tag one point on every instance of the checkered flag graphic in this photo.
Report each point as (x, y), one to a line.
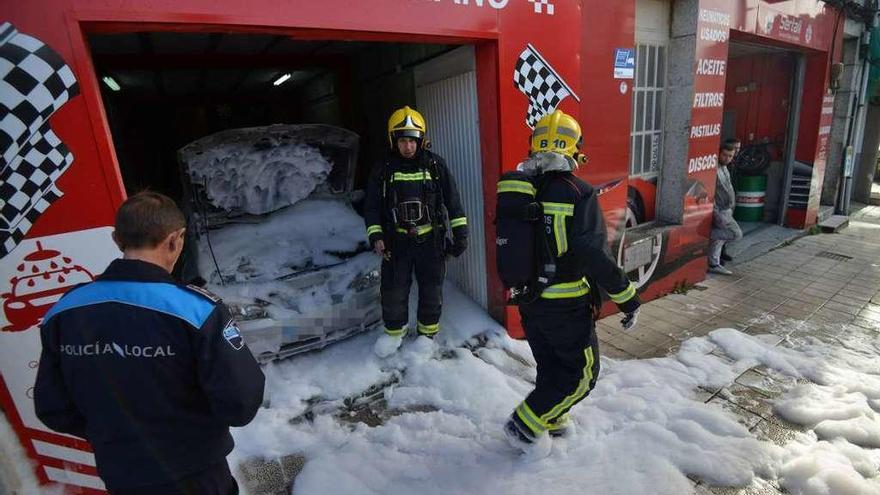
(34, 83)
(541, 84)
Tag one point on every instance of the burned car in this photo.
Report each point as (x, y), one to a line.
(274, 233)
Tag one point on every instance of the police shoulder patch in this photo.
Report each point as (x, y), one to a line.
(233, 335)
(214, 298)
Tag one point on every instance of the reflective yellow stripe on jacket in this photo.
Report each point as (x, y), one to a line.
(517, 186)
(567, 290)
(374, 229)
(411, 176)
(458, 222)
(625, 295)
(420, 230)
(559, 211)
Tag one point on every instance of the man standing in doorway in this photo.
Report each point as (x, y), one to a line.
(724, 227)
(151, 372)
(737, 146)
(411, 198)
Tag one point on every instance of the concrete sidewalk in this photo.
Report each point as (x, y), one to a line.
(818, 286)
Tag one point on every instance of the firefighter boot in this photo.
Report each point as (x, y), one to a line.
(388, 343)
(562, 427)
(423, 346)
(520, 437)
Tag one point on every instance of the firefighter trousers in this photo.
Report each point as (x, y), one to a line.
(424, 258)
(562, 336)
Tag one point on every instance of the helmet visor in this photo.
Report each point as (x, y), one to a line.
(410, 133)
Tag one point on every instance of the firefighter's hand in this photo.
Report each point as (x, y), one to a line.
(628, 322)
(458, 246)
(379, 248)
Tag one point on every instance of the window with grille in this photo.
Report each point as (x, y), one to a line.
(646, 137)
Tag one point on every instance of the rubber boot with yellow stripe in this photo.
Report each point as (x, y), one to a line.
(522, 438)
(388, 343)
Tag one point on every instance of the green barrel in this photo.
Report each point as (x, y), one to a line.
(750, 193)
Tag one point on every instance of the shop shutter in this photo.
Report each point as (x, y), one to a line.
(450, 108)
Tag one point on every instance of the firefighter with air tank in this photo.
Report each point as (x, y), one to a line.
(553, 253)
(414, 220)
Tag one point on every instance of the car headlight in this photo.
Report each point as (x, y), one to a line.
(248, 311)
(365, 281)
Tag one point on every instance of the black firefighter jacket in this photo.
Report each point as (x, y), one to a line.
(397, 179)
(575, 233)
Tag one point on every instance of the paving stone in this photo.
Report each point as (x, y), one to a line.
(761, 383)
(843, 308)
(745, 314)
(758, 487)
(648, 334)
(722, 322)
(868, 324)
(759, 303)
(867, 314)
(641, 349)
(831, 316)
(778, 431)
(848, 301)
(808, 298)
(270, 476)
(743, 416)
(750, 399)
(791, 312)
(613, 352)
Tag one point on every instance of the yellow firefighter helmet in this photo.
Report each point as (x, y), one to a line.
(406, 122)
(560, 133)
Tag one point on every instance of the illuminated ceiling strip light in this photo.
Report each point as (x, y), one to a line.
(111, 83)
(281, 80)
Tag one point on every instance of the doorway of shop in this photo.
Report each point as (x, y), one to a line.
(162, 90)
(762, 111)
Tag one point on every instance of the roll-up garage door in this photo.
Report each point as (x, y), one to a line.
(446, 94)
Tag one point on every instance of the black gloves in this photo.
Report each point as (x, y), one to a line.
(456, 247)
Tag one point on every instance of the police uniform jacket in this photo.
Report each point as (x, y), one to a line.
(150, 372)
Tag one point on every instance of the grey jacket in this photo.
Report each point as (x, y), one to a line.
(724, 195)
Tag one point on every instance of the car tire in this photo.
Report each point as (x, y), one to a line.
(635, 209)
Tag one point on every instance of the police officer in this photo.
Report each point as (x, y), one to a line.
(559, 324)
(411, 202)
(151, 372)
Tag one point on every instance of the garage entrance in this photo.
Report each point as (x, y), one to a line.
(163, 90)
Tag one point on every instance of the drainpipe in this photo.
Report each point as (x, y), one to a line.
(856, 132)
(791, 138)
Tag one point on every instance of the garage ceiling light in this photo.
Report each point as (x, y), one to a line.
(281, 80)
(111, 83)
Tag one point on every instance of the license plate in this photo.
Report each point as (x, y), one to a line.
(639, 254)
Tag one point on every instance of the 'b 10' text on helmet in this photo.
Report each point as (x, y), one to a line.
(406, 122)
(560, 133)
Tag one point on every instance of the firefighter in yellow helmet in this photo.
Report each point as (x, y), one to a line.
(559, 318)
(414, 221)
